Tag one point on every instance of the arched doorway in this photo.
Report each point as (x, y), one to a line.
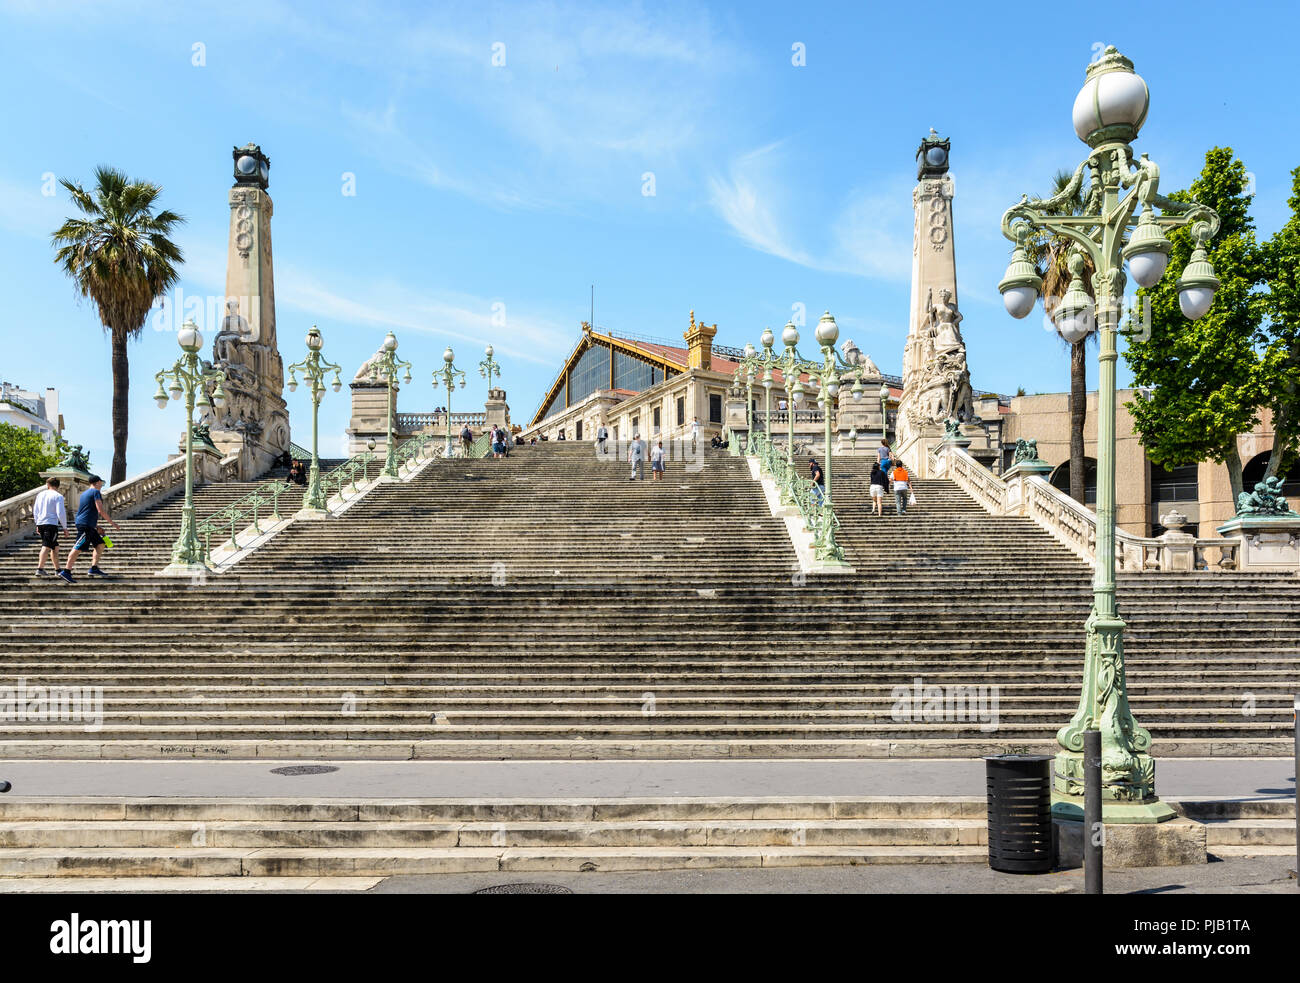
(1060, 478)
(1253, 473)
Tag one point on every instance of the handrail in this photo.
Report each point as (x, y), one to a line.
(335, 482)
(241, 508)
(481, 447)
(796, 490)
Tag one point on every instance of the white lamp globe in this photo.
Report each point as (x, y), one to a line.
(390, 342)
(189, 337)
(827, 330)
(790, 335)
(1019, 301)
(1113, 103)
(1148, 268)
(448, 356)
(1195, 301)
(1075, 327)
(314, 340)
(768, 339)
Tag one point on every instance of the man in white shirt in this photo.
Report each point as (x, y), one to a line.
(635, 455)
(601, 436)
(50, 515)
(695, 433)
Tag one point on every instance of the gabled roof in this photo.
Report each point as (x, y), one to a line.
(667, 357)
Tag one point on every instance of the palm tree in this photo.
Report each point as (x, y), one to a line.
(119, 254)
(1050, 253)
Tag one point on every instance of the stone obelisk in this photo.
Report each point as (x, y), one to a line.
(936, 382)
(255, 421)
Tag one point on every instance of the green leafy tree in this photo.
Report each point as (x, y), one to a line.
(1281, 337)
(1050, 254)
(119, 254)
(1204, 378)
(24, 454)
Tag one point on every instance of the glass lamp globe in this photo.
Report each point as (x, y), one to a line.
(767, 379)
(833, 388)
(1019, 301)
(768, 339)
(798, 392)
(1197, 285)
(370, 444)
(175, 389)
(749, 349)
(790, 335)
(489, 351)
(314, 340)
(390, 342)
(219, 397)
(1113, 103)
(448, 356)
(189, 337)
(827, 330)
(293, 384)
(160, 397)
(337, 384)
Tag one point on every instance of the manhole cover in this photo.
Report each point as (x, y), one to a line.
(304, 770)
(525, 889)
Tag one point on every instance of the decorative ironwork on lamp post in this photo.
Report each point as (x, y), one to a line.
(1108, 113)
(314, 368)
(489, 367)
(384, 370)
(190, 377)
(448, 374)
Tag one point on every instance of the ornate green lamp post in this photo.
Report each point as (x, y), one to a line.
(190, 376)
(1108, 113)
(449, 374)
(385, 369)
(830, 375)
(314, 367)
(489, 367)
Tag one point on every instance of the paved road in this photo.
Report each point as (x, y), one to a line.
(1176, 778)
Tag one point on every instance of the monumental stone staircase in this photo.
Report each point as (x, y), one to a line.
(545, 606)
(305, 838)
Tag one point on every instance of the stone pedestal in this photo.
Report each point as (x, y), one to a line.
(496, 408)
(1177, 548)
(1016, 477)
(1268, 543)
(72, 482)
(369, 417)
(1175, 843)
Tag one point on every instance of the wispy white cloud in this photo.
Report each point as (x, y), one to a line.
(867, 234)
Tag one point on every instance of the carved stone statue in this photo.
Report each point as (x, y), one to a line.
(1266, 499)
(234, 328)
(367, 371)
(856, 357)
(943, 319)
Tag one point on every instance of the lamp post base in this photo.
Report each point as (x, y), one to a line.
(1121, 803)
(183, 568)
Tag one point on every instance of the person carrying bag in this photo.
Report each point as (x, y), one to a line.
(902, 488)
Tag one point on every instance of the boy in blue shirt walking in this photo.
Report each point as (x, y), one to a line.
(90, 508)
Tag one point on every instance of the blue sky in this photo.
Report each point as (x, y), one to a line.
(521, 184)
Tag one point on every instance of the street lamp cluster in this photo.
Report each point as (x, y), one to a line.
(190, 377)
(448, 375)
(314, 368)
(384, 369)
(825, 379)
(1108, 113)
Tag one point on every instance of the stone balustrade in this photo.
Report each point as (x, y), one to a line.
(126, 498)
(1026, 492)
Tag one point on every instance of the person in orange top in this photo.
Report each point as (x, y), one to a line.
(902, 486)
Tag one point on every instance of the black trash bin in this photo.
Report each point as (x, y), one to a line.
(1020, 812)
